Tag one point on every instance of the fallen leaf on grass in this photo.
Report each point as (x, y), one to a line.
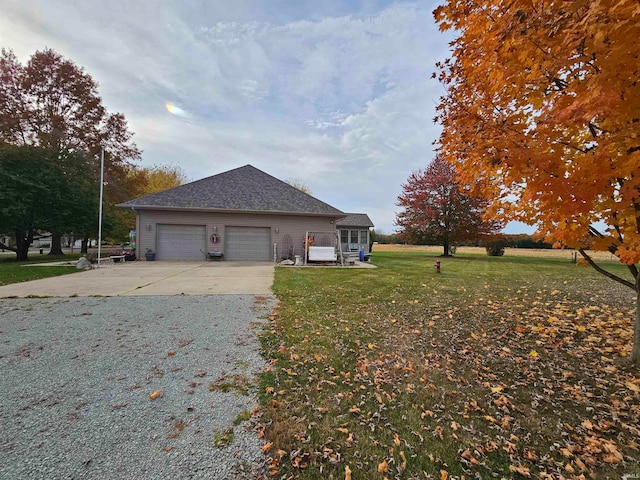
(587, 424)
(581, 464)
(632, 386)
(522, 470)
(347, 472)
(383, 467)
(467, 455)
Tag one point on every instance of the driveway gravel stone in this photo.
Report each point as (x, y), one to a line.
(76, 376)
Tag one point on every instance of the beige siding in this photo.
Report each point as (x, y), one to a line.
(280, 225)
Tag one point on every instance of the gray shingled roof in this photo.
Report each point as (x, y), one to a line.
(355, 220)
(244, 189)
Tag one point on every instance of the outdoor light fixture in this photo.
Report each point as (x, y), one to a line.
(277, 230)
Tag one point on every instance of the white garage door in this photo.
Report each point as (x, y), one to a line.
(181, 242)
(247, 243)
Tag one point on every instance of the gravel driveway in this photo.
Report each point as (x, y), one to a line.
(76, 376)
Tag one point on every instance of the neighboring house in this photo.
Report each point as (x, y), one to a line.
(354, 230)
(244, 214)
(41, 240)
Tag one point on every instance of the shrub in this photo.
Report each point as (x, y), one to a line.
(495, 248)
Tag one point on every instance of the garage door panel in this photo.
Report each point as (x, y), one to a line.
(247, 243)
(181, 242)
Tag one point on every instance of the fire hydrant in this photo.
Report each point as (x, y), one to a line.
(437, 265)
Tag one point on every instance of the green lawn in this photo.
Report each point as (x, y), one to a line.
(14, 272)
(500, 367)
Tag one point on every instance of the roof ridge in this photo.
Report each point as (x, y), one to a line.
(245, 188)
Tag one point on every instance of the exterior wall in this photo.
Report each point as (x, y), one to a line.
(294, 225)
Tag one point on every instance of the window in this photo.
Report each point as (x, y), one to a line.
(363, 237)
(344, 236)
(354, 236)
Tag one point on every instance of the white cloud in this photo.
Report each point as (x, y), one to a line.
(337, 94)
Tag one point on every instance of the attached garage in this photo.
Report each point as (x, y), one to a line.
(181, 242)
(238, 215)
(247, 243)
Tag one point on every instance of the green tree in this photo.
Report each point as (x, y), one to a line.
(73, 194)
(52, 103)
(36, 181)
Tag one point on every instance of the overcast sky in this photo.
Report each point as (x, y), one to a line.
(335, 93)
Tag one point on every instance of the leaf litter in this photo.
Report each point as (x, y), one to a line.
(521, 380)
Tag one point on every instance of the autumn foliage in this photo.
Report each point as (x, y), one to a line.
(158, 178)
(437, 208)
(51, 105)
(542, 112)
(51, 112)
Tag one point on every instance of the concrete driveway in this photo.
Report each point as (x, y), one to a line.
(153, 278)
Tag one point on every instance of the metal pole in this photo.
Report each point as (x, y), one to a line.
(100, 210)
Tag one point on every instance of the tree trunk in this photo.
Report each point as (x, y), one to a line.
(84, 244)
(635, 348)
(23, 241)
(447, 247)
(56, 244)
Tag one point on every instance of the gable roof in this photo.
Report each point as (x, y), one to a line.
(244, 189)
(355, 220)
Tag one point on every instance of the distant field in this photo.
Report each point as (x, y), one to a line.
(510, 252)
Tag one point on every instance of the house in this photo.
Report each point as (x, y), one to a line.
(242, 214)
(354, 230)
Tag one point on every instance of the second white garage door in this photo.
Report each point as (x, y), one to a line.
(247, 243)
(181, 242)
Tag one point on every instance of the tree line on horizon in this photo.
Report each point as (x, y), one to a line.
(510, 240)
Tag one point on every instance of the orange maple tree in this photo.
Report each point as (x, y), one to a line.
(542, 112)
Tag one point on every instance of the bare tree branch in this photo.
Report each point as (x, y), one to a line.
(7, 247)
(601, 270)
